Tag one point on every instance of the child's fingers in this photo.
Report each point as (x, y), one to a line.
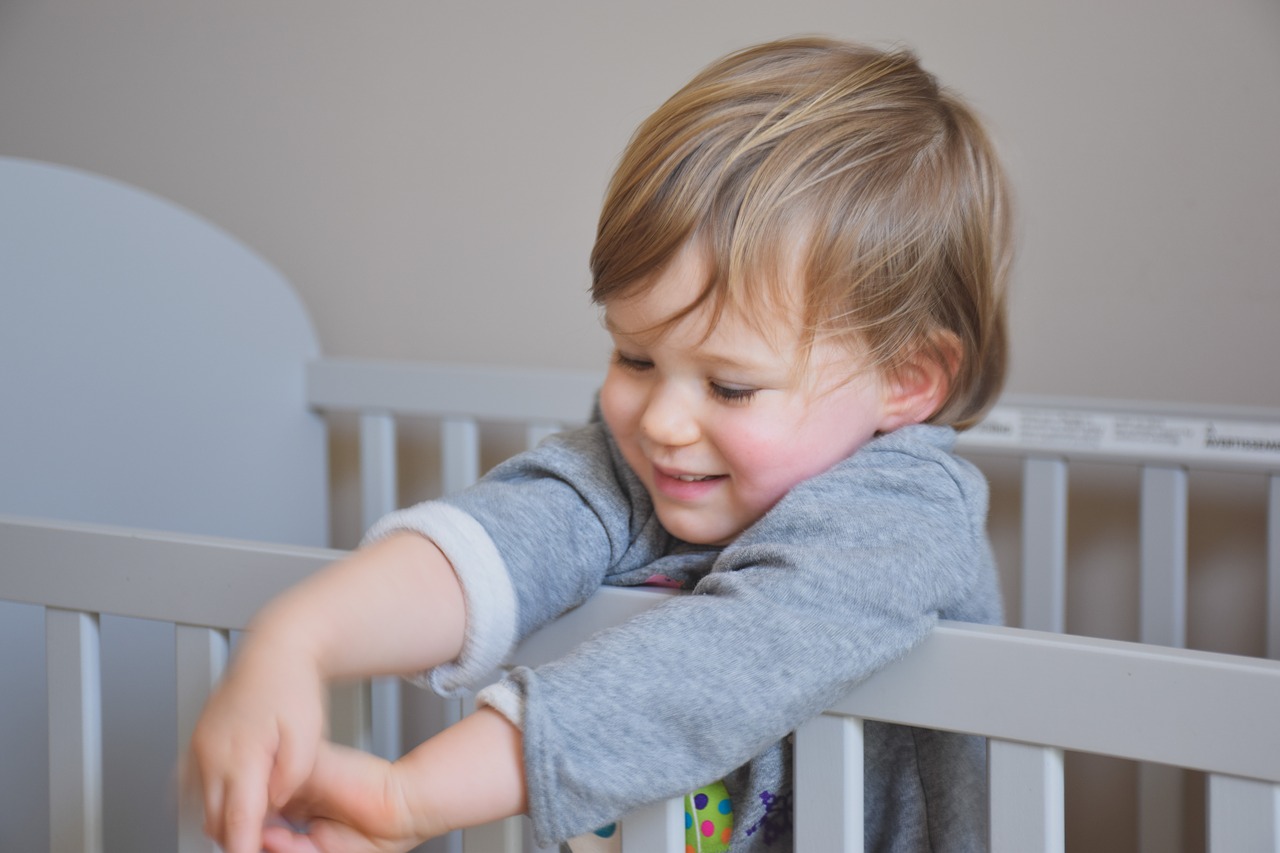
(242, 813)
(295, 759)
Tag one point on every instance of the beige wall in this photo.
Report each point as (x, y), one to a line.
(427, 173)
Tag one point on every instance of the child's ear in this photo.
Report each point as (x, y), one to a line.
(916, 389)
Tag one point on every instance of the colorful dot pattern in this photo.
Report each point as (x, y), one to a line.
(708, 820)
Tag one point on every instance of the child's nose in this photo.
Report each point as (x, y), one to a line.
(670, 418)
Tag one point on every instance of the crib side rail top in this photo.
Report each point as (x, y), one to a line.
(1165, 442)
(1034, 694)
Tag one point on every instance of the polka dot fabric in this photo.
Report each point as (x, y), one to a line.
(708, 820)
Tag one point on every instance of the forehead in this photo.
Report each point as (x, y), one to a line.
(681, 300)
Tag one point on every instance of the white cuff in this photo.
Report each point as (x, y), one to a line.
(490, 598)
(505, 701)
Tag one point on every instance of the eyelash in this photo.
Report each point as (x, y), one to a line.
(722, 393)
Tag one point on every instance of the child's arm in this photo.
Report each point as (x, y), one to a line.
(393, 607)
(472, 773)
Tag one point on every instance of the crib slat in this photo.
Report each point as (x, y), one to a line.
(656, 828)
(1244, 815)
(377, 466)
(1044, 544)
(460, 467)
(1273, 568)
(536, 431)
(460, 450)
(1164, 556)
(201, 658)
(1027, 796)
(501, 836)
(1163, 621)
(75, 730)
(378, 496)
(828, 781)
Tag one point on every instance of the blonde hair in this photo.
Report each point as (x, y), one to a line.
(847, 165)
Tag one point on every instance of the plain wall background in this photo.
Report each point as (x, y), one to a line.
(427, 174)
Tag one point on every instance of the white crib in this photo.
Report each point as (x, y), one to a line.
(1035, 692)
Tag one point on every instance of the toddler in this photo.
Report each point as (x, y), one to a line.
(801, 262)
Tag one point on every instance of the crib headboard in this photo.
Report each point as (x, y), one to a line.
(151, 378)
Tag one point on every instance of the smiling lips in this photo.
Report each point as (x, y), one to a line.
(680, 486)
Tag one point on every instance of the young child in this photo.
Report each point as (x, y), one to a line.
(801, 261)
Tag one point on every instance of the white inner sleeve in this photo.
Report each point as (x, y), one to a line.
(490, 598)
(507, 702)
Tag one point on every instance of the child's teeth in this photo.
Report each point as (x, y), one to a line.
(692, 478)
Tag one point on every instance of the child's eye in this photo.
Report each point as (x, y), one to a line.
(627, 362)
(732, 394)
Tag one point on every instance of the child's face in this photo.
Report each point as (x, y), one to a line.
(719, 427)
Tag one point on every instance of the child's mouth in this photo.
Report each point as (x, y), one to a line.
(684, 487)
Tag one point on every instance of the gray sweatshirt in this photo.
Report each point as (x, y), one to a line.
(846, 573)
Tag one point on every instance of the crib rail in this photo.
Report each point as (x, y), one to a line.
(1049, 435)
(1035, 694)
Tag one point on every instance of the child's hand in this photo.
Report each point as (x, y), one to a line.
(256, 743)
(352, 801)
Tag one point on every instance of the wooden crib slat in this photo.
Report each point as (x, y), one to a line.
(1027, 798)
(828, 784)
(656, 828)
(501, 836)
(74, 671)
(378, 496)
(1163, 621)
(1244, 815)
(535, 432)
(460, 453)
(201, 657)
(377, 466)
(1273, 568)
(1044, 544)
(1163, 531)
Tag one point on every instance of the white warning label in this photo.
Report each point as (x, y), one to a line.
(1128, 435)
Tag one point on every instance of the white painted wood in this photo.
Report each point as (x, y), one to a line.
(378, 496)
(192, 580)
(829, 785)
(201, 659)
(1164, 556)
(153, 377)
(349, 715)
(1244, 815)
(1044, 544)
(1027, 798)
(535, 432)
(1163, 621)
(75, 731)
(656, 828)
(459, 453)
(377, 466)
(1084, 694)
(503, 836)
(517, 395)
(1160, 812)
(1273, 567)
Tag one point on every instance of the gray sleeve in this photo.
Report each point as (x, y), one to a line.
(534, 538)
(565, 517)
(847, 573)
